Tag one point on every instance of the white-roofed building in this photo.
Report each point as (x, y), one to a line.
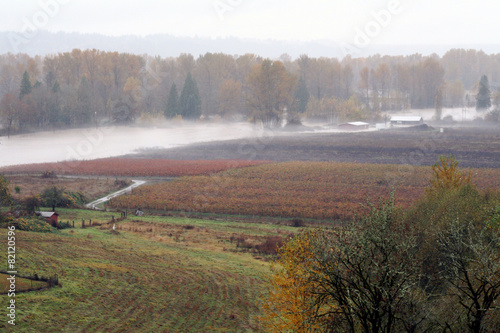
(406, 120)
(354, 126)
(50, 216)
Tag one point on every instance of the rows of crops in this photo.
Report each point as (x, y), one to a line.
(319, 190)
(132, 167)
(127, 282)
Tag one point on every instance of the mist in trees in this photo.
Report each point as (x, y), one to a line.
(92, 87)
(272, 88)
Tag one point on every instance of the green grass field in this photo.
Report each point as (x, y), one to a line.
(153, 275)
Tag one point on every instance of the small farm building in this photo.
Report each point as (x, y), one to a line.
(50, 216)
(407, 120)
(354, 126)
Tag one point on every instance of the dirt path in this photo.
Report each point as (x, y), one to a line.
(94, 204)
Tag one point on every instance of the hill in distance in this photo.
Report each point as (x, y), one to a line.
(43, 43)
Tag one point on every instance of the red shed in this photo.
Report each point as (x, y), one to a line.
(50, 216)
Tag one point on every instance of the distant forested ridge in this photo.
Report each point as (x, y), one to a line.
(87, 87)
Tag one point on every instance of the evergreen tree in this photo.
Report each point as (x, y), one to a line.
(26, 86)
(302, 95)
(172, 108)
(190, 102)
(56, 87)
(483, 97)
(50, 78)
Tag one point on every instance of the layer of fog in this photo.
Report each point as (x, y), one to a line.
(456, 114)
(92, 143)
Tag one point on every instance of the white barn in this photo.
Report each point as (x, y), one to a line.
(406, 120)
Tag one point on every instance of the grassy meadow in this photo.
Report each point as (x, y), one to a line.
(152, 274)
(159, 273)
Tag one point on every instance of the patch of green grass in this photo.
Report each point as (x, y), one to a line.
(141, 281)
(77, 215)
(220, 225)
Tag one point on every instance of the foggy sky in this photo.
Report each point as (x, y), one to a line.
(354, 22)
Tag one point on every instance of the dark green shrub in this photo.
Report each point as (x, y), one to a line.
(35, 224)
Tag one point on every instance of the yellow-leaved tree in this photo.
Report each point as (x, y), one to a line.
(447, 175)
(290, 304)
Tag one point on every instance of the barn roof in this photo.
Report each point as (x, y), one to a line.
(47, 214)
(356, 123)
(407, 118)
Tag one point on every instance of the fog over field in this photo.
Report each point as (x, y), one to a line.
(250, 166)
(92, 143)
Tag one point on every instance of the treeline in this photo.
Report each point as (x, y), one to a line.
(80, 88)
(432, 268)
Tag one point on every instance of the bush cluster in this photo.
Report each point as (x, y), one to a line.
(35, 224)
(432, 268)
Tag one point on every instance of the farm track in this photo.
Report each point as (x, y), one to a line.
(94, 204)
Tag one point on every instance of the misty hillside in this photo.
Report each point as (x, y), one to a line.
(44, 43)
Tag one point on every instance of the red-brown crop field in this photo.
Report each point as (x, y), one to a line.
(129, 167)
(318, 190)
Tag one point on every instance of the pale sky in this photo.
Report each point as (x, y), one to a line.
(452, 22)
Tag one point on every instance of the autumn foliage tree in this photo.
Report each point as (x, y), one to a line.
(272, 90)
(289, 307)
(434, 268)
(446, 175)
(459, 249)
(121, 86)
(10, 109)
(358, 278)
(229, 97)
